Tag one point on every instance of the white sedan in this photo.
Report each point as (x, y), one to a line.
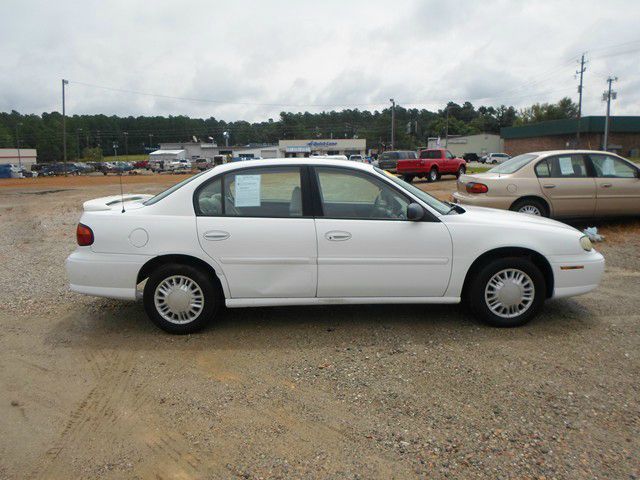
(317, 232)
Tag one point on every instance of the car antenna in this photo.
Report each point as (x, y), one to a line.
(121, 192)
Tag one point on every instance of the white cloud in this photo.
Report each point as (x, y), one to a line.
(263, 57)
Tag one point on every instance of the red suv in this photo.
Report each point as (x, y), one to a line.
(432, 163)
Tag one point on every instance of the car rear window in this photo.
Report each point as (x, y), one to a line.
(513, 164)
(431, 154)
(172, 189)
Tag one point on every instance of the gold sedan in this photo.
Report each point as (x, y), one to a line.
(562, 183)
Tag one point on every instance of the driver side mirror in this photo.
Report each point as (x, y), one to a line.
(415, 212)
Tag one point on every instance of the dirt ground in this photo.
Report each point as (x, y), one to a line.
(90, 389)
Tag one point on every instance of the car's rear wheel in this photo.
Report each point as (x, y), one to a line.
(530, 206)
(408, 178)
(181, 298)
(507, 292)
(461, 171)
(433, 175)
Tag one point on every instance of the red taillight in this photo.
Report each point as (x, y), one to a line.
(473, 187)
(84, 235)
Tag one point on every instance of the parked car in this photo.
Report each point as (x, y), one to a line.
(120, 167)
(84, 167)
(388, 160)
(562, 183)
(432, 164)
(53, 169)
(356, 158)
(178, 165)
(201, 244)
(496, 158)
(202, 164)
(141, 164)
(470, 157)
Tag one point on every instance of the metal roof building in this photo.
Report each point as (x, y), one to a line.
(624, 135)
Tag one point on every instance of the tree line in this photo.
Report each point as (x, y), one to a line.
(137, 135)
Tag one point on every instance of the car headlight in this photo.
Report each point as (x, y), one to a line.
(585, 243)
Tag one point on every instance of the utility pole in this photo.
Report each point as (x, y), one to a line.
(18, 145)
(607, 96)
(393, 123)
(78, 130)
(581, 73)
(64, 128)
(446, 128)
(150, 140)
(126, 145)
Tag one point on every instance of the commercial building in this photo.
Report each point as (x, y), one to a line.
(24, 156)
(480, 144)
(624, 135)
(209, 151)
(328, 146)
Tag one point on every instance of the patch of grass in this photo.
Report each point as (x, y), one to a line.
(479, 169)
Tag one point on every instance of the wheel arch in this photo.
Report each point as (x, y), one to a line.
(503, 252)
(543, 200)
(196, 262)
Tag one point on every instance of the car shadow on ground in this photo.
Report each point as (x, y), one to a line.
(124, 325)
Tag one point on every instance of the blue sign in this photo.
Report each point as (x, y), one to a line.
(322, 144)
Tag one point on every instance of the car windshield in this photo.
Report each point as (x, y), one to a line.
(513, 164)
(433, 202)
(172, 189)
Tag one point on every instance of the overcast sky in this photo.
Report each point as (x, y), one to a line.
(252, 59)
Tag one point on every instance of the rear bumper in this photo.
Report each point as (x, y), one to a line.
(577, 276)
(104, 274)
(481, 200)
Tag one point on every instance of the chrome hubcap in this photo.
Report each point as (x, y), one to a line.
(509, 293)
(178, 299)
(530, 210)
(434, 175)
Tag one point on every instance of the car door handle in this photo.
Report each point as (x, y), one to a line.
(337, 236)
(549, 185)
(607, 185)
(216, 235)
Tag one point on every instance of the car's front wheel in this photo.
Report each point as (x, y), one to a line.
(507, 292)
(181, 298)
(461, 171)
(408, 178)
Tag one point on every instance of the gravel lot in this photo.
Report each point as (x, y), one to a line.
(90, 389)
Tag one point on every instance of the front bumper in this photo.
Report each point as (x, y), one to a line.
(576, 275)
(481, 200)
(104, 274)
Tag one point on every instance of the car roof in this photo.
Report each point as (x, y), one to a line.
(558, 152)
(227, 167)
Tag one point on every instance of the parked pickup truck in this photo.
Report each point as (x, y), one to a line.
(431, 163)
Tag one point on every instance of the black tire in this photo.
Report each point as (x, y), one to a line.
(529, 206)
(476, 294)
(212, 297)
(433, 175)
(461, 171)
(408, 178)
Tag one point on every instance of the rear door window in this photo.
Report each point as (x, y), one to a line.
(568, 166)
(263, 192)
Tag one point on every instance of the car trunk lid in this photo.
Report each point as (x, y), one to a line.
(116, 202)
